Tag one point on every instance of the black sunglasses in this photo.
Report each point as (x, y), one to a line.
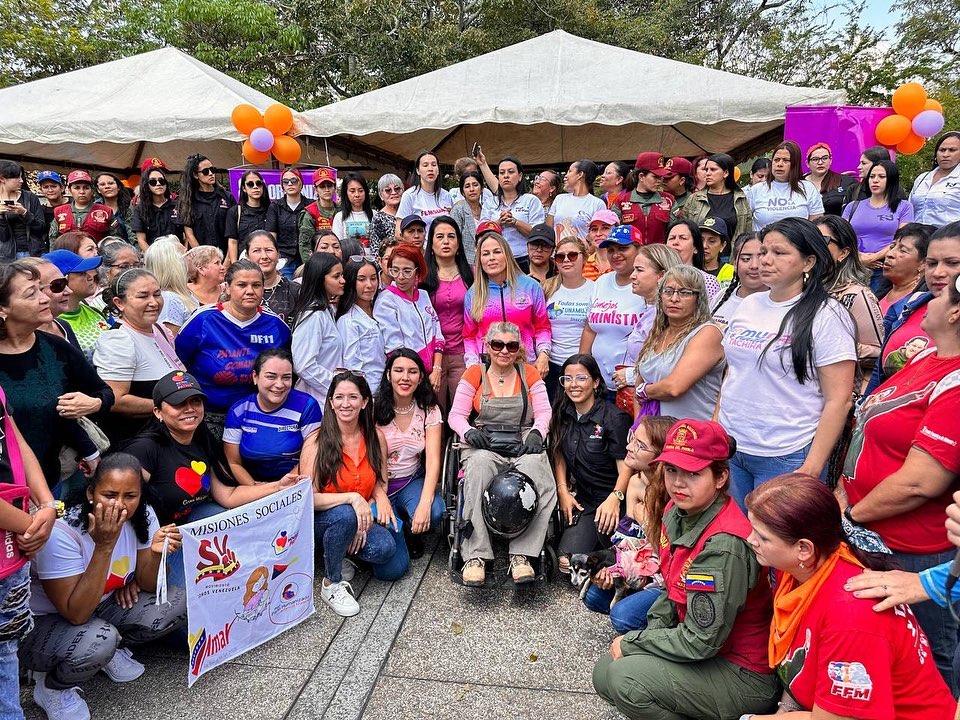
(157, 182)
(498, 346)
(207, 171)
(58, 285)
(253, 184)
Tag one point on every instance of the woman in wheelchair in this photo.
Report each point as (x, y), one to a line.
(501, 411)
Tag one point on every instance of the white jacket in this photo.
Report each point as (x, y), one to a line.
(317, 353)
(409, 323)
(362, 345)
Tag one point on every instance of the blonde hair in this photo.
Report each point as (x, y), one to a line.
(166, 260)
(660, 255)
(507, 328)
(688, 277)
(481, 282)
(199, 257)
(551, 285)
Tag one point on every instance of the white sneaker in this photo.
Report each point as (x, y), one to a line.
(347, 570)
(60, 704)
(122, 667)
(339, 596)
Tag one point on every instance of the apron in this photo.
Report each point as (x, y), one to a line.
(505, 410)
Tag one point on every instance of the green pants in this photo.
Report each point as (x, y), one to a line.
(647, 687)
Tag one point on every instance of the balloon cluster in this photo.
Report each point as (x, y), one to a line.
(266, 133)
(916, 119)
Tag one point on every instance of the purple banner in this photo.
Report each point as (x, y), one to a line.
(272, 180)
(847, 129)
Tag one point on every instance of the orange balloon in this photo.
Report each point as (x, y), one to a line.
(246, 118)
(932, 104)
(909, 99)
(736, 173)
(911, 144)
(892, 129)
(133, 180)
(253, 155)
(277, 119)
(286, 149)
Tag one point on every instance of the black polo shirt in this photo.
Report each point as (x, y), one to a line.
(591, 448)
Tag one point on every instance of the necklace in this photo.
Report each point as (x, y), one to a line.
(502, 377)
(448, 275)
(403, 410)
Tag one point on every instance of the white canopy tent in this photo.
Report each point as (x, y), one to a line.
(162, 104)
(558, 98)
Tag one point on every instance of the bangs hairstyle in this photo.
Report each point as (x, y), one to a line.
(423, 395)
(144, 202)
(481, 281)
(412, 253)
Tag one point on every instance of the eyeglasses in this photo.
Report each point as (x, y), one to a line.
(58, 285)
(818, 160)
(290, 181)
(253, 184)
(355, 258)
(567, 257)
(157, 182)
(207, 171)
(405, 272)
(125, 266)
(580, 379)
(636, 446)
(499, 346)
(685, 293)
(393, 191)
(542, 247)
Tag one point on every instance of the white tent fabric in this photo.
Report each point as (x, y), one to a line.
(558, 98)
(162, 104)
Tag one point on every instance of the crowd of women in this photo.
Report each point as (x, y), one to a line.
(715, 380)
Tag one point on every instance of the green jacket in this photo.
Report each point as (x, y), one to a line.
(308, 228)
(698, 207)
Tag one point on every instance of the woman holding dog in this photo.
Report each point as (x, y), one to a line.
(705, 645)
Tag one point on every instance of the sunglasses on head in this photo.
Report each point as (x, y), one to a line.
(58, 285)
(253, 184)
(499, 345)
(157, 182)
(207, 171)
(567, 256)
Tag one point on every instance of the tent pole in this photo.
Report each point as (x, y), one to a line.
(138, 152)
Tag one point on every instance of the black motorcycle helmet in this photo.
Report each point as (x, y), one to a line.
(509, 503)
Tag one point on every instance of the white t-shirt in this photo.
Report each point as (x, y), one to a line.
(724, 313)
(572, 211)
(614, 312)
(68, 553)
(567, 309)
(427, 205)
(174, 310)
(777, 201)
(526, 208)
(357, 225)
(125, 355)
(936, 204)
(761, 403)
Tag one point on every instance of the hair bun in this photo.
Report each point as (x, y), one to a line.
(732, 446)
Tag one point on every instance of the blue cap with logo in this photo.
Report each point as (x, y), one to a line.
(49, 175)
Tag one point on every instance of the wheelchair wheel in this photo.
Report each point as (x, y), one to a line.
(449, 475)
(550, 562)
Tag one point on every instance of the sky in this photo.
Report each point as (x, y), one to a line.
(876, 13)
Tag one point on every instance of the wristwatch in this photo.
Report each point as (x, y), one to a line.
(619, 495)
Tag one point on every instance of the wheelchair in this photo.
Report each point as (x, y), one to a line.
(545, 564)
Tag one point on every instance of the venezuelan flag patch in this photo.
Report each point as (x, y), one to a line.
(701, 583)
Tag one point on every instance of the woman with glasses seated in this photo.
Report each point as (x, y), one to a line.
(405, 313)
(155, 213)
(249, 214)
(507, 392)
(317, 347)
(384, 223)
(202, 205)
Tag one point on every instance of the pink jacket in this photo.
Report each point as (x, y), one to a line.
(523, 305)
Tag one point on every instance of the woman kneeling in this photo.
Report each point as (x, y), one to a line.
(703, 653)
(509, 394)
(94, 597)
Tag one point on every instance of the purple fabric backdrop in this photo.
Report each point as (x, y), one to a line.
(847, 129)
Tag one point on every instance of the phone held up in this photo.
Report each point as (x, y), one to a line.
(476, 149)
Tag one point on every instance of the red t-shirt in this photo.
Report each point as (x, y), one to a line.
(905, 342)
(854, 662)
(917, 407)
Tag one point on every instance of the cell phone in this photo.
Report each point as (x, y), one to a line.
(576, 518)
(8, 203)
(476, 149)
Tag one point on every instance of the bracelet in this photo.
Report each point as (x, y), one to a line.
(848, 514)
(642, 392)
(53, 505)
(746, 716)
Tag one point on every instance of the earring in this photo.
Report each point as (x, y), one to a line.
(801, 564)
(806, 277)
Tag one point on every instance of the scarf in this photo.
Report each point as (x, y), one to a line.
(792, 600)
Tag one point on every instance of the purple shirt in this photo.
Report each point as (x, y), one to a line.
(875, 226)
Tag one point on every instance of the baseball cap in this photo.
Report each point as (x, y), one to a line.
(411, 220)
(152, 163)
(541, 232)
(68, 262)
(324, 175)
(79, 176)
(49, 175)
(715, 224)
(651, 162)
(679, 166)
(488, 226)
(176, 388)
(623, 235)
(605, 217)
(693, 444)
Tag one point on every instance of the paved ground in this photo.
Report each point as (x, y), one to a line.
(422, 647)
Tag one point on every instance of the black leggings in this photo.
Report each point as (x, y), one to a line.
(583, 537)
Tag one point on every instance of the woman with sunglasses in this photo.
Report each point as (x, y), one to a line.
(317, 346)
(155, 213)
(283, 220)
(249, 214)
(509, 391)
(384, 222)
(54, 284)
(359, 331)
(202, 205)
(568, 296)
(405, 313)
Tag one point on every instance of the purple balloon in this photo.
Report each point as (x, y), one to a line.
(928, 123)
(261, 139)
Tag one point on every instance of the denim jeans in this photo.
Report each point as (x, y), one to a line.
(15, 623)
(288, 269)
(628, 614)
(176, 576)
(21, 254)
(748, 472)
(406, 499)
(936, 622)
(385, 551)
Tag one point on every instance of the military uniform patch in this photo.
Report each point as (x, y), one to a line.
(702, 609)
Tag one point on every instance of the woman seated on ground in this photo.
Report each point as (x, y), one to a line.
(745, 259)
(862, 663)
(681, 363)
(265, 432)
(407, 414)
(353, 516)
(93, 596)
(507, 392)
(588, 439)
(132, 357)
(646, 499)
(704, 650)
